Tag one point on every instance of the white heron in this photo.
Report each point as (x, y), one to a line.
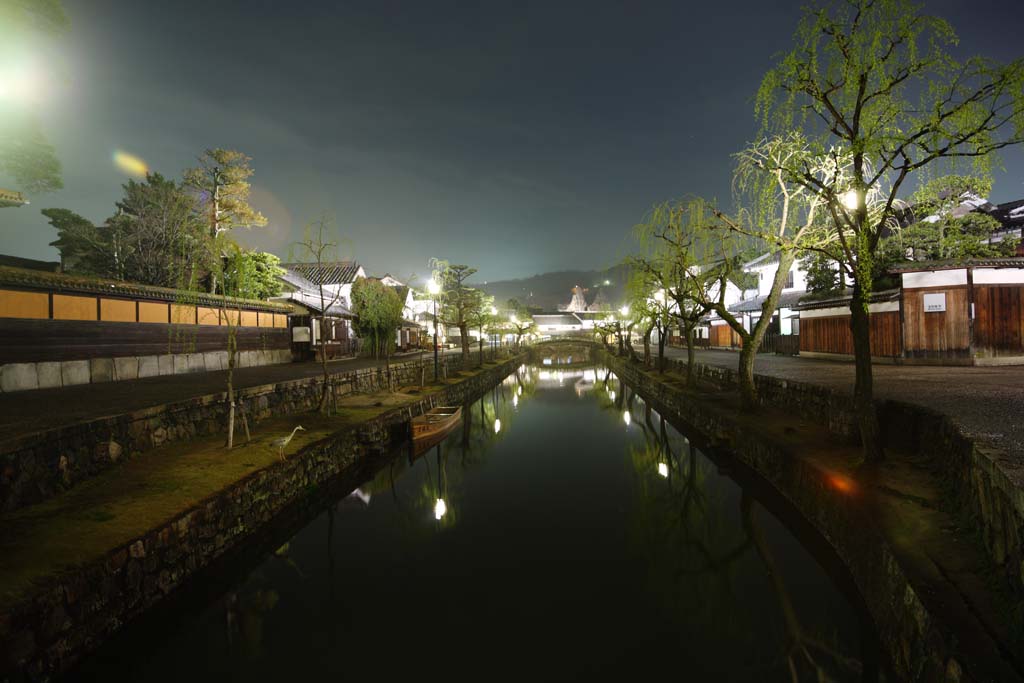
(283, 441)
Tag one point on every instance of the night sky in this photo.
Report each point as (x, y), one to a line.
(519, 137)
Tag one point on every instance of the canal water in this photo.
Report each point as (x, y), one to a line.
(563, 532)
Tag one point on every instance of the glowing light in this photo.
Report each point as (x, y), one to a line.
(433, 287)
(494, 310)
(497, 425)
(440, 508)
(515, 400)
(129, 164)
(663, 469)
(607, 282)
(21, 84)
(520, 391)
(841, 483)
(851, 199)
(611, 394)
(626, 417)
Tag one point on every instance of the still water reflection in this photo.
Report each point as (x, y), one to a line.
(564, 531)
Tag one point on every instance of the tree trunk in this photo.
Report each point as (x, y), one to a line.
(480, 345)
(863, 388)
(748, 390)
(323, 365)
(647, 345)
(232, 350)
(690, 360)
(661, 349)
(464, 332)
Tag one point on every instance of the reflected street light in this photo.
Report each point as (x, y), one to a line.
(626, 417)
(663, 469)
(497, 425)
(440, 508)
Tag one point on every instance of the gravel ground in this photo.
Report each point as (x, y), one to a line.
(988, 402)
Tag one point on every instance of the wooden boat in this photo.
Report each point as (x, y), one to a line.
(436, 422)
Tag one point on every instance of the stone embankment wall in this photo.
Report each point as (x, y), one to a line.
(35, 466)
(912, 638)
(74, 613)
(978, 478)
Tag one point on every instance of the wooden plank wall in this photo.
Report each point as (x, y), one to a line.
(936, 334)
(832, 334)
(24, 340)
(998, 319)
(723, 335)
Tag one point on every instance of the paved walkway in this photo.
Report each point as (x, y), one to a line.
(988, 402)
(25, 412)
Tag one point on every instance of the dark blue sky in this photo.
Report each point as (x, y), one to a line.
(519, 137)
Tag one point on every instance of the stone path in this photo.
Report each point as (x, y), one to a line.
(987, 402)
(26, 412)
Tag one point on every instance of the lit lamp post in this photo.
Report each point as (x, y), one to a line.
(434, 288)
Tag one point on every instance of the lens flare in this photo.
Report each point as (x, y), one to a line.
(129, 164)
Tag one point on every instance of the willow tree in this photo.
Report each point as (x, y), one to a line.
(378, 316)
(782, 216)
(684, 266)
(874, 80)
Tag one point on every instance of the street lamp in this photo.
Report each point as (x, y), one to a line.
(851, 200)
(434, 288)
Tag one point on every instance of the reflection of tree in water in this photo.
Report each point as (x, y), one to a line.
(697, 554)
(439, 472)
(246, 609)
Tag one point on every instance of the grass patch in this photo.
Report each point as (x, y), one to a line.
(126, 501)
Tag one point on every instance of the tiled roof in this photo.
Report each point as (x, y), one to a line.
(29, 263)
(333, 273)
(315, 303)
(843, 298)
(59, 282)
(10, 198)
(786, 300)
(922, 266)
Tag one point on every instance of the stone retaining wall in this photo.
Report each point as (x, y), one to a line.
(74, 613)
(907, 632)
(978, 478)
(36, 466)
(972, 473)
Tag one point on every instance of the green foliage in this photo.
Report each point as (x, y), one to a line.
(457, 300)
(822, 274)
(222, 181)
(872, 85)
(257, 273)
(378, 311)
(84, 248)
(157, 236)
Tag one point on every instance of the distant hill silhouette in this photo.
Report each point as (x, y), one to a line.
(548, 291)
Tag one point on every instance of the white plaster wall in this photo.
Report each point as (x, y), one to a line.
(998, 276)
(938, 278)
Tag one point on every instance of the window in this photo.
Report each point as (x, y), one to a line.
(789, 280)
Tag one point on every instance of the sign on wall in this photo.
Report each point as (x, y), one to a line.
(935, 303)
